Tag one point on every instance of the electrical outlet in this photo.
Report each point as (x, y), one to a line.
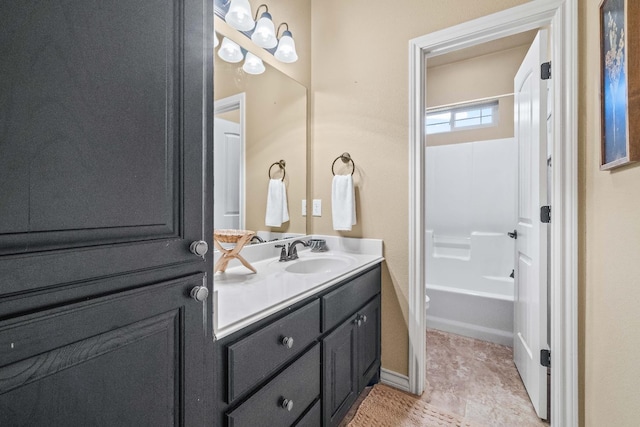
(304, 207)
(317, 207)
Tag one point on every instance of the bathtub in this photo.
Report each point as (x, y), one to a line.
(468, 283)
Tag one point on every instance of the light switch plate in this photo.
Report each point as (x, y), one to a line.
(304, 207)
(317, 207)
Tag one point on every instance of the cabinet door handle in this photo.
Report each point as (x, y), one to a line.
(287, 404)
(200, 293)
(199, 247)
(287, 342)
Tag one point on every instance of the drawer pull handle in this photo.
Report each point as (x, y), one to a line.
(287, 342)
(287, 404)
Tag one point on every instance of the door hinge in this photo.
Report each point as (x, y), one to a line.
(545, 358)
(545, 214)
(545, 70)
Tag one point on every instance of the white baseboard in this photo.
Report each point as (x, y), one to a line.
(469, 330)
(394, 379)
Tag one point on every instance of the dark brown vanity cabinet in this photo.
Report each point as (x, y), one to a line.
(305, 365)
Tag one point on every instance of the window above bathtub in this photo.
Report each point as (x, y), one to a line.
(463, 117)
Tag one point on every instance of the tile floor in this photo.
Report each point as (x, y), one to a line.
(475, 379)
(478, 380)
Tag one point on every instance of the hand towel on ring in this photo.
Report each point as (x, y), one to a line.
(343, 203)
(277, 210)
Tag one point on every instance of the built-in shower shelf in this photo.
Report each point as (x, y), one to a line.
(459, 258)
(452, 247)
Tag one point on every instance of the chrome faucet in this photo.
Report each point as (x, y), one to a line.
(290, 252)
(293, 251)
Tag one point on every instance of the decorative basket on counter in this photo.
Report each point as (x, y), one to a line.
(231, 235)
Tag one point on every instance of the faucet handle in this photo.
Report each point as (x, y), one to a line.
(283, 252)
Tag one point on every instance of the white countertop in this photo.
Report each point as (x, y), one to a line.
(242, 297)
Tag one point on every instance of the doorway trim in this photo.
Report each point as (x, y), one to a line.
(224, 105)
(562, 16)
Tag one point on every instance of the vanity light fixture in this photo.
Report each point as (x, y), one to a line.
(253, 64)
(286, 51)
(262, 33)
(265, 33)
(230, 51)
(239, 15)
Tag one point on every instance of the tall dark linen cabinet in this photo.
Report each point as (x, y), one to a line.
(105, 160)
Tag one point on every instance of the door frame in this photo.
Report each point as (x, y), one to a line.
(230, 103)
(562, 16)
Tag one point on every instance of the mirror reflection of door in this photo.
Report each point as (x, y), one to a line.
(229, 165)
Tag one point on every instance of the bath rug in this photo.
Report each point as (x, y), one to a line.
(388, 407)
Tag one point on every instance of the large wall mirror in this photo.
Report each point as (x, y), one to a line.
(259, 120)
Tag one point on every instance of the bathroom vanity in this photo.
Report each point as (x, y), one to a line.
(305, 360)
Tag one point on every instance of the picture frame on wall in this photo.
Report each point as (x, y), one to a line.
(619, 82)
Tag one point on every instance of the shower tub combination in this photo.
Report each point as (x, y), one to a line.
(469, 287)
(470, 207)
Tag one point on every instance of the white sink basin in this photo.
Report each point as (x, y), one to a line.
(318, 265)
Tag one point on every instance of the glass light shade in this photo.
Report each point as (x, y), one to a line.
(253, 64)
(216, 42)
(230, 51)
(286, 51)
(239, 15)
(265, 33)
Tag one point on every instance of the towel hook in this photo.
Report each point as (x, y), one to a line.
(346, 158)
(282, 165)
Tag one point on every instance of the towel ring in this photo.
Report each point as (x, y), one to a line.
(346, 158)
(282, 164)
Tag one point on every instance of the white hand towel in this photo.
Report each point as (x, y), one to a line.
(343, 203)
(277, 209)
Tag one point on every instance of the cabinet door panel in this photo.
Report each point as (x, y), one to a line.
(340, 377)
(125, 359)
(101, 141)
(105, 149)
(368, 342)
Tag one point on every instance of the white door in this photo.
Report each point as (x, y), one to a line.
(530, 334)
(227, 175)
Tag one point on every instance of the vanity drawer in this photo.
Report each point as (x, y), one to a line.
(343, 302)
(313, 418)
(299, 383)
(254, 357)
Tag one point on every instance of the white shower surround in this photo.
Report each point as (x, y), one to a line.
(467, 299)
(471, 205)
